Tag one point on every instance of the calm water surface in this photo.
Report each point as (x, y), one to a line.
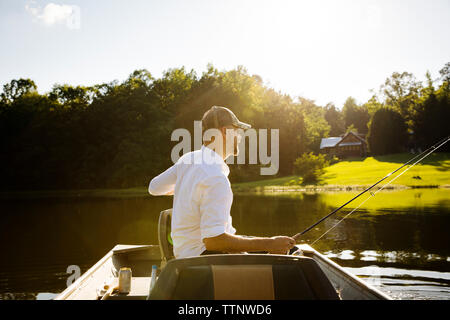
(398, 242)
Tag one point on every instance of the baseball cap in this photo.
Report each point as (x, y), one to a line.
(218, 117)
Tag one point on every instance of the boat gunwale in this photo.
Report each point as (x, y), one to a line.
(307, 250)
(84, 277)
(340, 271)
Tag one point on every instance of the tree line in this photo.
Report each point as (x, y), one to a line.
(117, 134)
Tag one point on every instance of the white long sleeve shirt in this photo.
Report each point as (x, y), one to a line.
(202, 200)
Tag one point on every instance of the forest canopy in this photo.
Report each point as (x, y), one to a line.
(117, 134)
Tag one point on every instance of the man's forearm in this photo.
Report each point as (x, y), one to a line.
(232, 243)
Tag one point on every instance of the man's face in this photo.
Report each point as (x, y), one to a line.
(232, 137)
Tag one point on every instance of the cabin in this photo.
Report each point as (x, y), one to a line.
(350, 144)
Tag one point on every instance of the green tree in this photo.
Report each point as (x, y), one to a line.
(117, 134)
(16, 89)
(281, 113)
(335, 119)
(372, 105)
(310, 166)
(387, 132)
(400, 91)
(316, 125)
(355, 115)
(430, 119)
(72, 97)
(445, 77)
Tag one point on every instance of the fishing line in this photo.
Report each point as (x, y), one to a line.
(372, 194)
(426, 152)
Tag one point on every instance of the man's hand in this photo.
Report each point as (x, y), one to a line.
(280, 245)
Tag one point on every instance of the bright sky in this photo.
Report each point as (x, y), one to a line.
(321, 50)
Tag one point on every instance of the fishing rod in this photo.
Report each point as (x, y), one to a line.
(427, 152)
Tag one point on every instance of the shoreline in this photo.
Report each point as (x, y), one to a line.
(349, 175)
(330, 188)
(237, 190)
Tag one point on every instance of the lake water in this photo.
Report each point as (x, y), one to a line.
(398, 241)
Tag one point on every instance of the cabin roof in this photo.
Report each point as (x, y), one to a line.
(334, 141)
(329, 142)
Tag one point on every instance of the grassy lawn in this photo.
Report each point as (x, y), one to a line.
(433, 171)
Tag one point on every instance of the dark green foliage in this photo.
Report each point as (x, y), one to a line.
(17, 89)
(355, 115)
(116, 135)
(335, 119)
(401, 91)
(387, 133)
(431, 120)
(315, 124)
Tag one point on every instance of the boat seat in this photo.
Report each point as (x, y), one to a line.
(164, 238)
(243, 277)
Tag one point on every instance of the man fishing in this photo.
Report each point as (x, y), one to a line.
(201, 220)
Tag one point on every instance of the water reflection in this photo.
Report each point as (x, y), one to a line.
(405, 230)
(421, 228)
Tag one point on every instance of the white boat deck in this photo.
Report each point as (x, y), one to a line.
(86, 287)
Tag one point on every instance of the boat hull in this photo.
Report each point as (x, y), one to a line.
(141, 259)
